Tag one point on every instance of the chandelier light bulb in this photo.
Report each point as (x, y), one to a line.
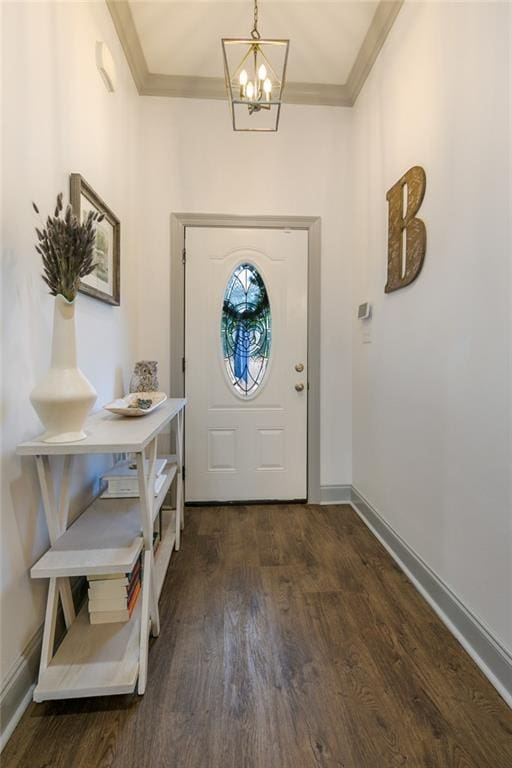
(250, 89)
(262, 72)
(267, 86)
(243, 82)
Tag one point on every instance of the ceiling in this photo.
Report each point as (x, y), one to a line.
(173, 47)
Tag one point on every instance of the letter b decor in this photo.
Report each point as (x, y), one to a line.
(404, 229)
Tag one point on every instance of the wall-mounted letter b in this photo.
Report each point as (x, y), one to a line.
(407, 236)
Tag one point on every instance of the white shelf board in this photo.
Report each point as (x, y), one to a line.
(127, 468)
(164, 551)
(93, 660)
(108, 433)
(170, 472)
(106, 538)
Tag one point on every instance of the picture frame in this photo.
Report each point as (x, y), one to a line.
(104, 283)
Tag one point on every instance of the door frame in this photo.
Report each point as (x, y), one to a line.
(312, 224)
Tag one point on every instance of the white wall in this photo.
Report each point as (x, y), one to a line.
(432, 392)
(194, 162)
(57, 118)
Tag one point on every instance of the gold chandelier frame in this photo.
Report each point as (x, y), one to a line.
(259, 100)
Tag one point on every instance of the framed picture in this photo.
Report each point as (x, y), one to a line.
(104, 282)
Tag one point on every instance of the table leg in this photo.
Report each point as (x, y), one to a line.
(180, 507)
(144, 625)
(57, 520)
(147, 508)
(50, 620)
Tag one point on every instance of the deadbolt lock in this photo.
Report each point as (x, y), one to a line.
(299, 387)
(299, 367)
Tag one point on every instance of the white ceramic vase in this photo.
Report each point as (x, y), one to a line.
(64, 397)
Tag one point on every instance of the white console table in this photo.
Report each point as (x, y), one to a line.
(108, 537)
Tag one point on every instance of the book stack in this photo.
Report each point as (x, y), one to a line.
(112, 596)
(123, 480)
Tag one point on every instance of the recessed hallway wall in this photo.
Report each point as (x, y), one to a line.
(432, 402)
(193, 162)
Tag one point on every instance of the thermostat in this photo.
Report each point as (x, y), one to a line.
(364, 310)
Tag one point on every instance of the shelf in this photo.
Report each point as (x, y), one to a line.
(164, 551)
(102, 659)
(107, 433)
(106, 538)
(93, 660)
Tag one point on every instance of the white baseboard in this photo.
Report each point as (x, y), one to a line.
(16, 717)
(492, 658)
(335, 494)
(16, 693)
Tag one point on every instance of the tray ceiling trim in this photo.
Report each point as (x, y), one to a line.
(192, 87)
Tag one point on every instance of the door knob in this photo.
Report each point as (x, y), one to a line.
(299, 367)
(299, 387)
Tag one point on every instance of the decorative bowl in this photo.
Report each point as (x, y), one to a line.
(130, 405)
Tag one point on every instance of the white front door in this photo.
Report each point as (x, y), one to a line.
(246, 364)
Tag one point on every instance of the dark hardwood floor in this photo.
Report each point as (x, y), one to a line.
(289, 640)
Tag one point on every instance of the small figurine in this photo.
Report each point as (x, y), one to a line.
(145, 377)
(141, 402)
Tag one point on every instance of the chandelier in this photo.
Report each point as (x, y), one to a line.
(255, 71)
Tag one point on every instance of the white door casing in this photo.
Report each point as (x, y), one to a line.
(241, 449)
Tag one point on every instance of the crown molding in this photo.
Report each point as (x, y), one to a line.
(317, 94)
(129, 39)
(383, 20)
(183, 86)
(190, 87)
(215, 88)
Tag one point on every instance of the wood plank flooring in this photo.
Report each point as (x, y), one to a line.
(289, 640)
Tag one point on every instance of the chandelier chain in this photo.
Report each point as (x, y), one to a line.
(254, 32)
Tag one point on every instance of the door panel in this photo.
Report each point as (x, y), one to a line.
(245, 447)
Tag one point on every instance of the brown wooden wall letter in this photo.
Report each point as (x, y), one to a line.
(404, 267)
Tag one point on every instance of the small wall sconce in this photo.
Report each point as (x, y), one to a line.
(106, 66)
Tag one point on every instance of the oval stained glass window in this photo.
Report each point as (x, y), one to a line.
(246, 329)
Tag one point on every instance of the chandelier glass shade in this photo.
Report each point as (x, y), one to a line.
(255, 72)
